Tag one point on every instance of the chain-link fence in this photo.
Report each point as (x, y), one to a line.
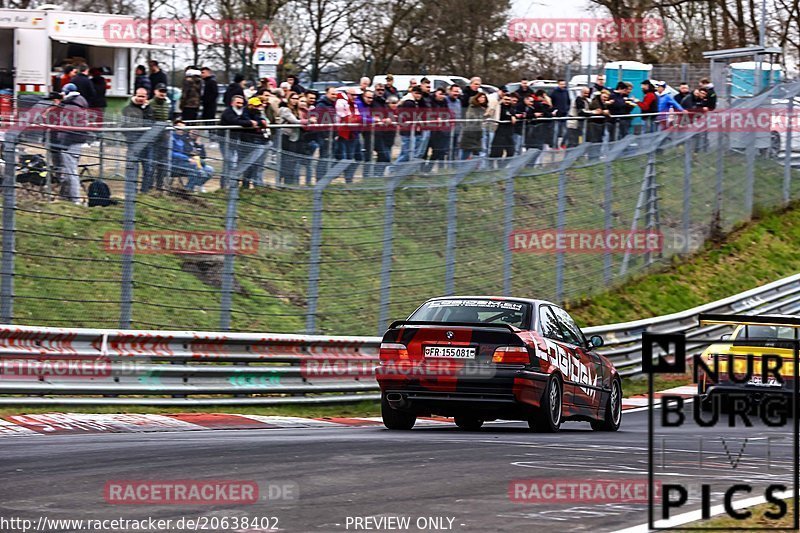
(336, 245)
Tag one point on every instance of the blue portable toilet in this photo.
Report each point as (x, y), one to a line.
(632, 72)
(743, 77)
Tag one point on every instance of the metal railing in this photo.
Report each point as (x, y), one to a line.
(113, 367)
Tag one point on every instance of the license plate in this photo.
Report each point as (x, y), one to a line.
(455, 352)
(771, 382)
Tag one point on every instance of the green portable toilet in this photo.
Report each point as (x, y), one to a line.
(743, 77)
(632, 72)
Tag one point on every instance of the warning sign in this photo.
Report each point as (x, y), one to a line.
(266, 39)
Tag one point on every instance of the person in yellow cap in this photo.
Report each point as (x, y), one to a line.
(252, 138)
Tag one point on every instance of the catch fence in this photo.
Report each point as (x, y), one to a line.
(337, 246)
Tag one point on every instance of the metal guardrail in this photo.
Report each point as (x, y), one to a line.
(106, 367)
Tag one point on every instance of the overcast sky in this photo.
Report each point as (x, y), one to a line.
(549, 8)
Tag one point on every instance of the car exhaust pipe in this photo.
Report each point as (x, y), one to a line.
(396, 400)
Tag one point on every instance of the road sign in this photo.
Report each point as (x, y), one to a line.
(267, 71)
(268, 56)
(266, 39)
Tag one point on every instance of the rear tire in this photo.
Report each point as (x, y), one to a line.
(548, 418)
(469, 423)
(394, 418)
(613, 417)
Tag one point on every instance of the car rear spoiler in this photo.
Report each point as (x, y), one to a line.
(749, 320)
(398, 323)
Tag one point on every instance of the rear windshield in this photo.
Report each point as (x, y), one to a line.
(515, 314)
(766, 332)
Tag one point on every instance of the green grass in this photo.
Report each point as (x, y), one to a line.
(756, 521)
(760, 252)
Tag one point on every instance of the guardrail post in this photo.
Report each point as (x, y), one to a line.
(750, 156)
(787, 154)
(9, 207)
(452, 225)
(316, 242)
(129, 221)
(688, 151)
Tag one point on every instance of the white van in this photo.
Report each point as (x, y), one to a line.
(403, 81)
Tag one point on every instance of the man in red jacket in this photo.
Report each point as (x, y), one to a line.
(648, 105)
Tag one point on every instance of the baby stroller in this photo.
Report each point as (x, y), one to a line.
(32, 173)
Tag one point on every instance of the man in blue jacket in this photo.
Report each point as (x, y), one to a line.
(666, 103)
(184, 158)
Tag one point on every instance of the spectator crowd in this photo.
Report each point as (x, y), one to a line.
(361, 124)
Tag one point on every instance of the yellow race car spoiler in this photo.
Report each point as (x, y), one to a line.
(749, 320)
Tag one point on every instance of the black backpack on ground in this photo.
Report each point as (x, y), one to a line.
(99, 194)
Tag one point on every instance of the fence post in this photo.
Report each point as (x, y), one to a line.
(750, 155)
(128, 225)
(316, 242)
(787, 155)
(129, 221)
(166, 180)
(9, 207)
(688, 150)
(226, 160)
(684, 72)
(226, 300)
(386, 259)
(452, 224)
(101, 168)
(278, 157)
(716, 223)
(508, 217)
(608, 195)
(508, 228)
(51, 163)
(560, 222)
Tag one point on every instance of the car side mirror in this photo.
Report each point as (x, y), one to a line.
(595, 341)
(725, 337)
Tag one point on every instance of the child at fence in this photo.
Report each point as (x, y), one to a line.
(184, 158)
(199, 159)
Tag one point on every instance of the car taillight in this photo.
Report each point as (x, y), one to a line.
(511, 354)
(393, 352)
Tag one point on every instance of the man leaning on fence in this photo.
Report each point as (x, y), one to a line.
(234, 115)
(137, 114)
(162, 112)
(68, 142)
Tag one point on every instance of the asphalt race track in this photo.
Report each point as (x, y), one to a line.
(369, 471)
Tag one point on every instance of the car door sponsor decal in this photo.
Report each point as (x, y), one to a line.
(571, 366)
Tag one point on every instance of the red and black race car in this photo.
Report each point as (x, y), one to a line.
(478, 358)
